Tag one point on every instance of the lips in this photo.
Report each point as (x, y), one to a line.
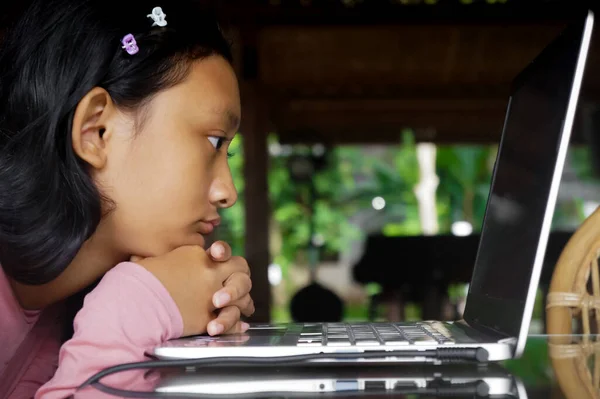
(215, 222)
(207, 227)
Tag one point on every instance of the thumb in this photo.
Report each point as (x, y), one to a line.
(219, 251)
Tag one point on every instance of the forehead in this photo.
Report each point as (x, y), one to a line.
(210, 92)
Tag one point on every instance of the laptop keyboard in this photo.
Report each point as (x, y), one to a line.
(377, 334)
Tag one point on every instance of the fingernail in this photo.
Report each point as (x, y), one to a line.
(215, 328)
(218, 250)
(221, 299)
(245, 327)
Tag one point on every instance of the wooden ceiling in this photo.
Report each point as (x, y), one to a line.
(353, 80)
(356, 71)
(449, 83)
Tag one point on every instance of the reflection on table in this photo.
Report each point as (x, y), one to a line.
(415, 381)
(576, 364)
(555, 367)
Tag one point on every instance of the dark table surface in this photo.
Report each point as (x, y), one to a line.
(552, 367)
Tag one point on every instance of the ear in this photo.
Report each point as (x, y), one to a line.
(91, 127)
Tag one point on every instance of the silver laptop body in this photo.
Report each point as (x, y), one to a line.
(433, 381)
(515, 230)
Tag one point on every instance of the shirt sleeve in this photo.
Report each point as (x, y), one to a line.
(129, 312)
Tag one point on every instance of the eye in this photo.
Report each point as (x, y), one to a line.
(216, 141)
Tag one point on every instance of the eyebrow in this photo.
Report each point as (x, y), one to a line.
(233, 120)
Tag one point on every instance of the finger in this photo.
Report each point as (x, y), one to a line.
(239, 328)
(135, 258)
(245, 305)
(234, 288)
(225, 321)
(233, 265)
(219, 251)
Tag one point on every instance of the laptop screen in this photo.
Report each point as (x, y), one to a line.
(522, 197)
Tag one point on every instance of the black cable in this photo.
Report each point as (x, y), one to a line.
(265, 395)
(442, 354)
(474, 389)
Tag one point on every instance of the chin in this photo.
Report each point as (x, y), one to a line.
(195, 239)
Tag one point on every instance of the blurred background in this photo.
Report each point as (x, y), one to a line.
(370, 130)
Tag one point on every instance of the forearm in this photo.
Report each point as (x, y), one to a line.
(128, 313)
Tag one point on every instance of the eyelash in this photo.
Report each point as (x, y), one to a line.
(220, 142)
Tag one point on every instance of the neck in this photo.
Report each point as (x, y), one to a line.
(94, 259)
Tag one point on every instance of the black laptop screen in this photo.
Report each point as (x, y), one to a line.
(519, 195)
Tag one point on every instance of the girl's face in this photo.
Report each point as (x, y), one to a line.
(166, 168)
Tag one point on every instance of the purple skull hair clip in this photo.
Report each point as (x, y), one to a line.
(130, 45)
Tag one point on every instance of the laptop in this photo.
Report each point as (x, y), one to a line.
(430, 381)
(533, 147)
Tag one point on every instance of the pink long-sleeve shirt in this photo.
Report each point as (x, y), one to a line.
(128, 313)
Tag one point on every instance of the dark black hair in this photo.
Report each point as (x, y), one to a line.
(57, 52)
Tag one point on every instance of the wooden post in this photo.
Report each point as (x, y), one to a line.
(256, 158)
(254, 129)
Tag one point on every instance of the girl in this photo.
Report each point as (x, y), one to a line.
(115, 121)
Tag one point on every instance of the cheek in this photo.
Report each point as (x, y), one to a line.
(161, 188)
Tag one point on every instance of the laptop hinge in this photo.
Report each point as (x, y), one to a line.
(509, 341)
(494, 334)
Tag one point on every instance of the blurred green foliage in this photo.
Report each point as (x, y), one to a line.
(345, 187)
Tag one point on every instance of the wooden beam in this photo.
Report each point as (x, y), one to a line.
(382, 121)
(362, 121)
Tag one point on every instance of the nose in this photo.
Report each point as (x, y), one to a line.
(222, 190)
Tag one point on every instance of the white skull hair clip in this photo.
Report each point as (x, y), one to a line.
(158, 16)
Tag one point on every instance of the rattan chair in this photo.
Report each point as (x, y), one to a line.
(573, 313)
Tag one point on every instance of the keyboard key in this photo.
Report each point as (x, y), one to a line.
(423, 340)
(311, 331)
(338, 342)
(387, 330)
(335, 336)
(412, 337)
(366, 339)
(367, 342)
(395, 342)
(412, 329)
(416, 333)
